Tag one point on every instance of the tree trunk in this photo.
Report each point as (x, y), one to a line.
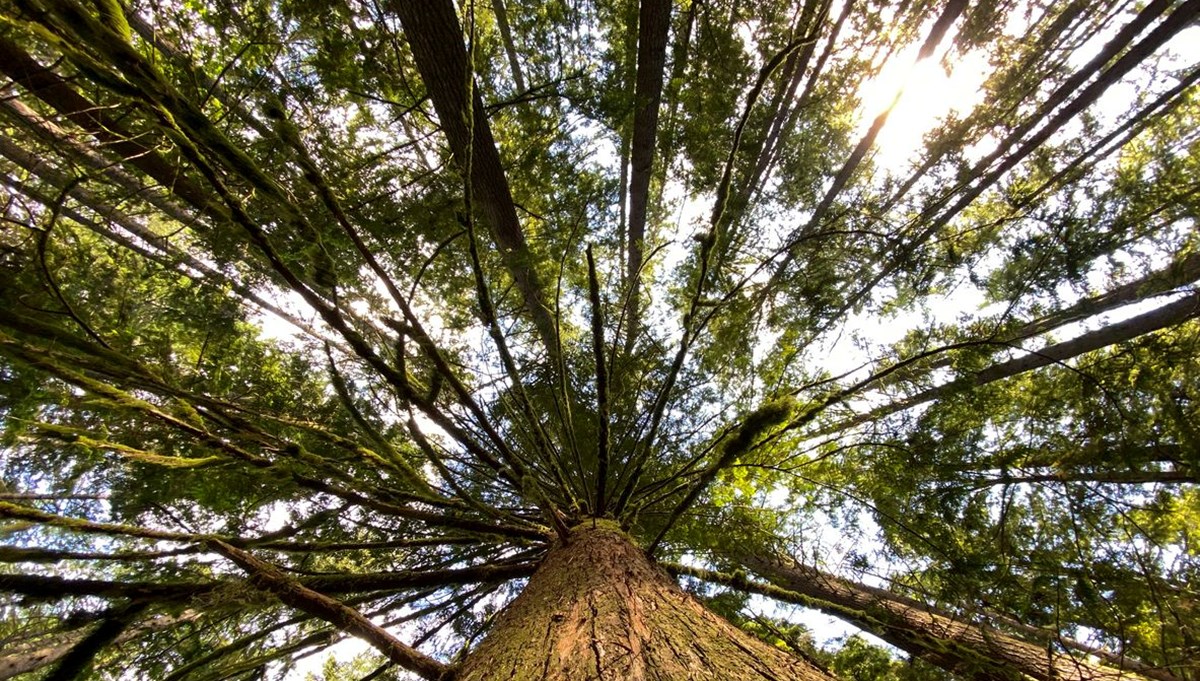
(510, 47)
(654, 23)
(436, 39)
(597, 608)
(967, 649)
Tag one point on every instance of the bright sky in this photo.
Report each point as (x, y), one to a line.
(929, 91)
(928, 94)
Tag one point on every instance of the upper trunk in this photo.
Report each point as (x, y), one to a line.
(654, 20)
(436, 39)
(597, 608)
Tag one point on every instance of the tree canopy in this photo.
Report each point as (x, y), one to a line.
(331, 319)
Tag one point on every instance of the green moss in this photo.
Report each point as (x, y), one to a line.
(757, 423)
(592, 524)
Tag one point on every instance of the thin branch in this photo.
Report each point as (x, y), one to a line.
(269, 578)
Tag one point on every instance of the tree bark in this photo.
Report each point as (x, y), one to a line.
(510, 47)
(968, 649)
(597, 608)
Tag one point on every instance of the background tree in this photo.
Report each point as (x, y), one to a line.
(453, 327)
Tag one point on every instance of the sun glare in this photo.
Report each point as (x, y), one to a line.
(928, 91)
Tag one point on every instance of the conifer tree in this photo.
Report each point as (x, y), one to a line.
(602, 339)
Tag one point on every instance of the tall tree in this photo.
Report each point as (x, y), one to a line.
(450, 328)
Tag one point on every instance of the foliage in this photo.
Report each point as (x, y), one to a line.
(325, 319)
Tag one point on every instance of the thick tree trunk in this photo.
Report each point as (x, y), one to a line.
(598, 609)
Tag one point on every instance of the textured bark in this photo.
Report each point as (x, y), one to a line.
(598, 609)
(968, 649)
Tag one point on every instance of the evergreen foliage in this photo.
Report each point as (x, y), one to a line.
(330, 319)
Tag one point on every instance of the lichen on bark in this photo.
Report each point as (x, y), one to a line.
(597, 608)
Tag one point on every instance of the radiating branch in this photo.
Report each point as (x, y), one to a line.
(269, 578)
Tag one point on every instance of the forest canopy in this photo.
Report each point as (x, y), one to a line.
(331, 320)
